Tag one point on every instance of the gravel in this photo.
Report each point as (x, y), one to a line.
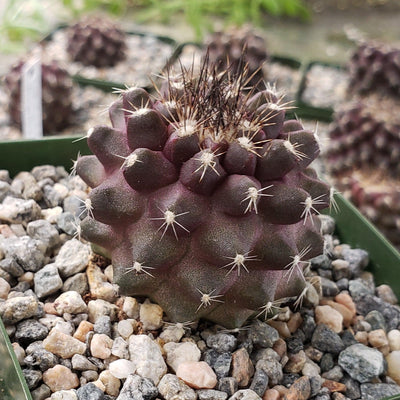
(76, 338)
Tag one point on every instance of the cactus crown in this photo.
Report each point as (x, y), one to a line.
(203, 198)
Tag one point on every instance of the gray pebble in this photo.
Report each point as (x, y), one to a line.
(68, 223)
(18, 308)
(222, 342)
(321, 262)
(103, 325)
(31, 189)
(18, 211)
(44, 171)
(77, 283)
(376, 320)
(73, 204)
(327, 224)
(262, 334)
(326, 362)
(272, 368)
(43, 231)
(29, 253)
(353, 390)
(171, 387)
(326, 340)
(47, 281)
(358, 259)
(12, 267)
(308, 326)
(378, 391)
(20, 289)
(5, 190)
(329, 288)
(245, 394)
(137, 388)
(53, 196)
(30, 330)
(342, 284)
(41, 358)
(210, 394)
(90, 392)
(334, 374)
(33, 377)
(41, 393)
(358, 289)
(81, 363)
(72, 258)
(219, 362)
(315, 384)
(348, 338)
(229, 385)
(259, 383)
(362, 363)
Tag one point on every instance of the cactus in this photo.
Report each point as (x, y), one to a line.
(225, 50)
(377, 195)
(366, 133)
(203, 197)
(56, 95)
(96, 41)
(375, 67)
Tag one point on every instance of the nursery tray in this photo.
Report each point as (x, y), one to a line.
(306, 110)
(23, 155)
(107, 85)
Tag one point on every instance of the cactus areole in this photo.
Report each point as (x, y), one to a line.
(203, 197)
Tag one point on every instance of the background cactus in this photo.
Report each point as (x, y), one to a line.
(235, 48)
(96, 41)
(375, 67)
(378, 197)
(56, 95)
(366, 134)
(203, 197)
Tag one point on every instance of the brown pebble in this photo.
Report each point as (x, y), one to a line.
(60, 378)
(281, 327)
(347, 314)
(242, 367)
(377, 338)
(313, 353)
(82, 330)
(271, 394)
(345, 299)
(294, 322)
(280, 347)
(362, 337)
(296, 362)
(385, 292)
(334, 386)
(49, 309)
(300, 389)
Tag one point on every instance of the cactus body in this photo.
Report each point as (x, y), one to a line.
(203, 205)
(366, 133)
(378, 198)
(375, 67)
(238, 47)
(97, 42)
(56, 95)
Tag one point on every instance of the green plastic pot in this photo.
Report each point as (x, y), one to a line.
(23, 155)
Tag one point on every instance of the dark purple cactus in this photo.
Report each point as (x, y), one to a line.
(375, 67)
(378, 197)
(238, 48)
(56, 95)
(96, 41)
(366, 134)
(203, 198)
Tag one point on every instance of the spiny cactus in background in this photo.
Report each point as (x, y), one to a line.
(96, 41)
(375, 67)
(366, 133)
(235, 48)
(378, 197)
(56, 95)
(203, 197)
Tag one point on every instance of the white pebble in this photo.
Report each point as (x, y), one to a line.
(122, 368)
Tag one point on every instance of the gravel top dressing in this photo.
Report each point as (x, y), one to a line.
(76, 338)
